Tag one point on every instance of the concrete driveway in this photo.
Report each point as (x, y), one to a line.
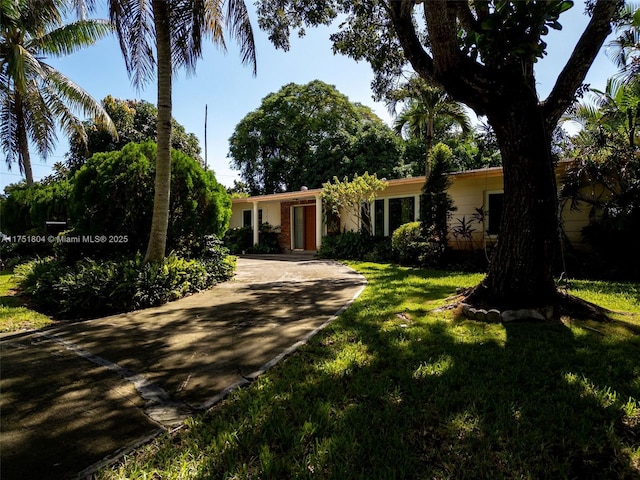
(75, 394)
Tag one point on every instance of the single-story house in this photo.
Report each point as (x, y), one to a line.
(477, 196)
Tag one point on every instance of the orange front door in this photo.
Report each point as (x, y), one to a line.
(310, 228)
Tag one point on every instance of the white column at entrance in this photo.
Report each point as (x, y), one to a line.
(318, 221)
(256, 227)
(386, 218)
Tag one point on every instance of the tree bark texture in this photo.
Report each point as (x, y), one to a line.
(161, 200)
(520, 271)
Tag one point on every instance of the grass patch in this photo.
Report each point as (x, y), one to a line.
(615, 296)
(14, 316)
(394, 389)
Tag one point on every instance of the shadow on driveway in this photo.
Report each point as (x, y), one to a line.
(76, 393)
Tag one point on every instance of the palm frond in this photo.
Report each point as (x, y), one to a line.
(73, 36)
(40, 122)
(8, 129)
(134, 25)
(66, 118)
(455, 112)
(78, 99)
(83, 7)
(192, 22)
(239, 24)
(21, 65)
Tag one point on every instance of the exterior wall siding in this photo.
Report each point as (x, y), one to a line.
(469, 191)
(468, 194)
(270, 213)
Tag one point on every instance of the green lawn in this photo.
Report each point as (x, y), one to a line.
(14, 316)
(394, 389)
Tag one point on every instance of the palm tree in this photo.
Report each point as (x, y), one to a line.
(167, 35)
(625, 49)
(36, 97)
(614, 112)
(426, 105)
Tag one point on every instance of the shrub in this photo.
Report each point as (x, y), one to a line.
(112, 195)
(211, 252)
(381, 251)
(25, 209)
(89, 289)
(437, 205)
(238, 240)
(412, 247)
(406, 242)
(614, 246)
(267, 239)
(346, 246)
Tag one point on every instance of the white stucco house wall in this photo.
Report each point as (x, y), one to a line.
(299, 214)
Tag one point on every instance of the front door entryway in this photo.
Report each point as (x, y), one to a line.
(304, 227)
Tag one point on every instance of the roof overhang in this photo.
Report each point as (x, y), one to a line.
(316, 192)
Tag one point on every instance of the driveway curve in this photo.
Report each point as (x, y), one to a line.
(75, 394)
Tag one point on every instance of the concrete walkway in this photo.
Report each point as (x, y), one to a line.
(77, 393)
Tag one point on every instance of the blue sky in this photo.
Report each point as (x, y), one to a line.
(230, 90)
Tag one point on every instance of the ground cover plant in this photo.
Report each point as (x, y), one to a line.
(14, 315)
(89, 288)
(399, 388)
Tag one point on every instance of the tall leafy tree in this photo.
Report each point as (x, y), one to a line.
(36, 98)
(164, 35)
(483, 54)
(136, 121)
(425, 105)
(306, 134)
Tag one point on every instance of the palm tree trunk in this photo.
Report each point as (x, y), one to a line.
(23, 143)
(160, 220)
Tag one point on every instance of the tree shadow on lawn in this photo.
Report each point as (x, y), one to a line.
(371, 398)
(193, 349)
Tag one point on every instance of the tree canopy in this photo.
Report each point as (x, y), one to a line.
(112, 195)
(605, 174)
(135, 121)
(426, 105)
(482, 53)
(306, 134)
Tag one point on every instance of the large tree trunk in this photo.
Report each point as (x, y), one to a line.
(23, 143)
(160, 220)
(520, 273)
(503, 88)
